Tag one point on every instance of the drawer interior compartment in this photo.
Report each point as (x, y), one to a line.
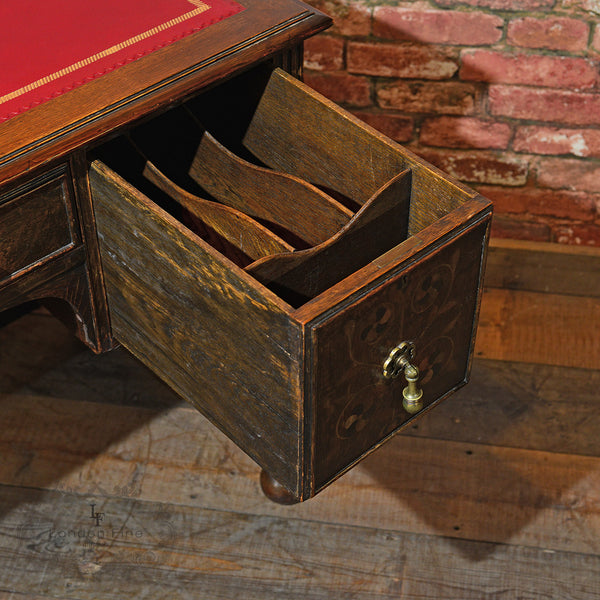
(36, 223)
(297, 235)
(264, 251)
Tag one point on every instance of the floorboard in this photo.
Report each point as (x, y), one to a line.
(535, 327)
(141, 549)
(495, 494)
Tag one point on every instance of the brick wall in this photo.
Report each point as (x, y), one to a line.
(502, 94)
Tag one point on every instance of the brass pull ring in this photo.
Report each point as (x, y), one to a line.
(398, 361)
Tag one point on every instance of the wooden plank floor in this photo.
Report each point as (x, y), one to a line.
(496, 494)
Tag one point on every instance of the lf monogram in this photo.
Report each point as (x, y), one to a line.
(98, 516)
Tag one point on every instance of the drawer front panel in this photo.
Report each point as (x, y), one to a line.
(433, 304)
(35, 223)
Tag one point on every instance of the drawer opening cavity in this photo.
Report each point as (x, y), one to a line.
(278, 181)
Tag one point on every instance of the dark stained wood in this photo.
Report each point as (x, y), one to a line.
(431, 304)
(274, 491)
(63, 285)
(379, 225)
(100, 326)
(36, 223)
(247, 235)
(544, 267)
(44, 253)
(274, 197)
(337, 150)
(43, 256)
(199, 322)
(414, 249)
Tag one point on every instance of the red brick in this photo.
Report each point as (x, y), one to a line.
(464, 132)
(479, 167)
(341, 87)
(554, 140)
(408, 61)
(566, 34)
(588, 7)
(585, 234)
(519, 229)
(596, 40)
(349, 18)
(452, 98)
(324, 53)
(561, 106)
(569, 173)
(396, 127)
(539, 70)
(544, 202)
(436, 26)
(521, 5)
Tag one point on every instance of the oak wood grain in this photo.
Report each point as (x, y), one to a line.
(155, 267)
(277, 198)
(250, 237)
(198, 321)
(415, 248)
(337, 150)
(431, 304)
(36, 223)
(379, 225)
(100, 328)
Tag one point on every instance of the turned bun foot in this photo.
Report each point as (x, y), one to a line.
(274, 491)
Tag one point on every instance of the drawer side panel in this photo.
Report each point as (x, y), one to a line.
(189, 316)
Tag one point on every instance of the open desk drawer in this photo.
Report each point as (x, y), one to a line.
(283, 346)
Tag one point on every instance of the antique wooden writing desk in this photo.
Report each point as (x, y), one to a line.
(305, 282)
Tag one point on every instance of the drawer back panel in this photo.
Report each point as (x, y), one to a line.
(297, 130)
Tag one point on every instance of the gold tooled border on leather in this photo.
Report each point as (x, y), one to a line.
(200, 8)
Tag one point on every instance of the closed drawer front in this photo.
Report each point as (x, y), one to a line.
(35, 223)
(272, 302)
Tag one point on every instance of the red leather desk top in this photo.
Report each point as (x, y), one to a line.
(52, 46)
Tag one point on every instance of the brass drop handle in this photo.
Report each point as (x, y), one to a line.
(398, 361)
